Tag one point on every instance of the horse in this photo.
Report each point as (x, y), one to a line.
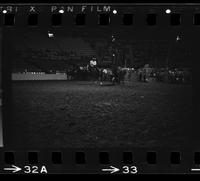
(104, 74)
(115, 75)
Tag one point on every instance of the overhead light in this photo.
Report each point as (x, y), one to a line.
(178, 38)
(50, 35)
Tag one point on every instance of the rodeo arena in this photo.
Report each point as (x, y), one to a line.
(103, 60)
(78, 89)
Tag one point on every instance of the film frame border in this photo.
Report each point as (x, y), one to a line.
(173, 9)
(67, 158)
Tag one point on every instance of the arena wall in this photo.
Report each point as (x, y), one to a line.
(30, 76)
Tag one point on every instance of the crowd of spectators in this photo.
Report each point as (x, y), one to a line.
(127, 54)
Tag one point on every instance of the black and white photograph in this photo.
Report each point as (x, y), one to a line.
(100, 87)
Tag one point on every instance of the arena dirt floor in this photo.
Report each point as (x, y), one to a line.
(80, 114)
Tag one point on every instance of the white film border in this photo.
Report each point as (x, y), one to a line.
(1, 129)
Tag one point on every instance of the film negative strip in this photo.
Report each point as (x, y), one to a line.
(99, 88)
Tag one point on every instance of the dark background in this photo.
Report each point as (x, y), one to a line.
(192, 37)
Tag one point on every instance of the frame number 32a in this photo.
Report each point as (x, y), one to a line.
(35, 169)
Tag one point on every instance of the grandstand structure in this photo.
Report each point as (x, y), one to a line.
(36, 52)
(34, 56)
